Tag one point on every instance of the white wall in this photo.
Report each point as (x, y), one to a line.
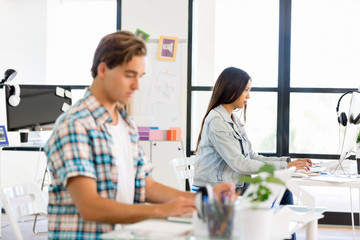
(23, 39)
(160, 18)
(28, 24)
(53, 41)
(157, 17)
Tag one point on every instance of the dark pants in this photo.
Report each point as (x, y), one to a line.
(287, 199)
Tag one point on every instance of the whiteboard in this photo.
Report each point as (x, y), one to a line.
(160, 99)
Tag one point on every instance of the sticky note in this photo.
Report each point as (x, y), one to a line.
(68, 94)
(65, 107)
(60, 92)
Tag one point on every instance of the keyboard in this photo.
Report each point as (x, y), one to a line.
(314, 170)
(317, 169)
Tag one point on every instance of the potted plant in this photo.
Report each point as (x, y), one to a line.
(254, 216)
(259, 189)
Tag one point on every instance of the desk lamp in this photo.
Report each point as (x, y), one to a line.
(8, 76)
(14, 98)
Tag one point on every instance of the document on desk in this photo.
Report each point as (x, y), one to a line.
(150, 229)
(184, 218)
(333, 179)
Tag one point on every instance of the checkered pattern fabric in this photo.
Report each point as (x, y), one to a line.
(81, 145)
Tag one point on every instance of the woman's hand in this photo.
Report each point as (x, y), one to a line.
(225, 189)
(301, 164)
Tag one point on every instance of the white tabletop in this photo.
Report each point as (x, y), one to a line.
(294, 218)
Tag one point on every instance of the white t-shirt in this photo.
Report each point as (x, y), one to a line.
(124, 161)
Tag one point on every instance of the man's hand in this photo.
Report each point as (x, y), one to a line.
(302, 163)
(176, 207)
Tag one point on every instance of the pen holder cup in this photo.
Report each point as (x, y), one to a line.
(220, 218)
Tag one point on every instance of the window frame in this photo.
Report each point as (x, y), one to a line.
(283, 90)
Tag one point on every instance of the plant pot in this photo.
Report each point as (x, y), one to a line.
(250, 224)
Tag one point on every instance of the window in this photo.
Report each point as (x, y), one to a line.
(301, 59)
(261, 118)
(325, 49)
(223, 37)
(313, 123)
(325, 54)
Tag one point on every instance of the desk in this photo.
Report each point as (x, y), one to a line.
(322, 181)
(20, 164)
(159, 229)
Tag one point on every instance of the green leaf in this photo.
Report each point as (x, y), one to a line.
(272, 179)
(249, 179)
(262, 192)
(267, 168)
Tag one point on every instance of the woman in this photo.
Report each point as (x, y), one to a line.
(223, 151)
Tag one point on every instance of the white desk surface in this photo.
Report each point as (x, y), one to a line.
(339, 178)
(159, 229)
(329, 181)
(152, 229)
(36, 144)
(332, 180)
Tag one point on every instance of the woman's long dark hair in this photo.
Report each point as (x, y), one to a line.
(228, 87)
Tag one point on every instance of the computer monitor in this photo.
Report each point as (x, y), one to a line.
(352, 126)
(38, 109)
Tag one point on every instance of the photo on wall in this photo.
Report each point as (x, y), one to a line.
(3, 137)
(141, 34)
(167, 48)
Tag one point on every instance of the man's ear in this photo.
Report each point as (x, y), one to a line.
(101, 69)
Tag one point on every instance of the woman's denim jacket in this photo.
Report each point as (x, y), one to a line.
(225, 152)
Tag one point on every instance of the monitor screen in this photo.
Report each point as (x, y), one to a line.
(38, 109)
(352, 126)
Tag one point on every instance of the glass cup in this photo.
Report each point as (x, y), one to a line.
(220, 218)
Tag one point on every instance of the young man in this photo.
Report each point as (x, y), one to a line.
(98, 169)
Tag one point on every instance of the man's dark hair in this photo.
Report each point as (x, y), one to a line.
(117, 49)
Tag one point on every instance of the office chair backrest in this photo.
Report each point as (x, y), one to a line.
(183, 169)
(22, 200)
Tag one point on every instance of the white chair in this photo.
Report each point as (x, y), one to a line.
(183, 169)
(20, 201)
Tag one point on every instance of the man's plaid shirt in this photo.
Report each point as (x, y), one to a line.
(82, 146)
